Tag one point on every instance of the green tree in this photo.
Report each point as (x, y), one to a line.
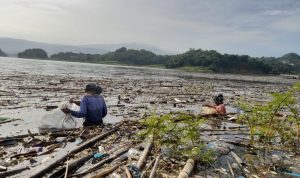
(267, 125)
(180, 133)
(34, 53)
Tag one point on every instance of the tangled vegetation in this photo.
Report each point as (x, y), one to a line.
(180, 134)
(275, 122)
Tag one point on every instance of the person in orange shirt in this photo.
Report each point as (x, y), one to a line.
(218, 106)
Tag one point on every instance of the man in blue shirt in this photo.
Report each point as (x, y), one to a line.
(92, 106)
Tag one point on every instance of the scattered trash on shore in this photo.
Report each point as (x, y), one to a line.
(115, 149)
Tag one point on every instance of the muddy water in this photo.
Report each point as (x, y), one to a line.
(26, 86)
(44, 67)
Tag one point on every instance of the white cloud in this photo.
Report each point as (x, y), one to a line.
(176, 25)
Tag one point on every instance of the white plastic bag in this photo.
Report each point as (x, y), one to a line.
(56, 119)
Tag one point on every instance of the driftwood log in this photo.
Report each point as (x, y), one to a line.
(42, 171)
(187, 169)
(72, 166)
(101, 163)
(13, 172)
(141, 162)
(108, 170)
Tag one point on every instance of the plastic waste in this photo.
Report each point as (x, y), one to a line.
(293, 174)
(239, 110)
(36, 149)
(78, 141)
(58, 119)
(99, 155)
(133, 152)
(275, 158)
(101, 149)
(211, 145)
(59, 139)
(208, 110)
(135, 172)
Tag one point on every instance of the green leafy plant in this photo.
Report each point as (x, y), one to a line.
(180, 133)
(268, 125)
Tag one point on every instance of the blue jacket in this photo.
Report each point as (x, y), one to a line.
(92, 108)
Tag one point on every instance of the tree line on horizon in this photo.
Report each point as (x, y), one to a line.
(209, 59)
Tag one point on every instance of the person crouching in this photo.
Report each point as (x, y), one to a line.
(92, 106)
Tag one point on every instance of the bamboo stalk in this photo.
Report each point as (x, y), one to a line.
(237, 159)
(230, 168)
(141, 162)
(128, 174)
(108, 170)
(184, 173)
(153, 171)
(67, 169)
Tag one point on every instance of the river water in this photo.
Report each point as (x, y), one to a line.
(229, 84)
(46, 67)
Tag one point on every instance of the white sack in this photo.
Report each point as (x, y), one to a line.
(56, 119)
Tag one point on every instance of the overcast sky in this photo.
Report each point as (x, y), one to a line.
(254, 27)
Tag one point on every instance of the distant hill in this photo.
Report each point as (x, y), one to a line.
(291, 59)
(13, 46)
(2, 54)
(137, 46)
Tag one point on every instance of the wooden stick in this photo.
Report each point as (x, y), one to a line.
(230, 168)
(13, 172)
(153, 171)
(53, 147)
(30, 134)
(3, 122)
(148, 167)
(78, 163)
(237, 159)
(101, 163)
(67, 167)
(184, 173)
(141, 162)
(108, 170)
(31, 153)
(42, 171)
(117, 175)
(128, 174)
